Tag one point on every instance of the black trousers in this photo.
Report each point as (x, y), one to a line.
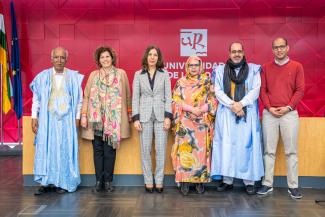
(104, 159)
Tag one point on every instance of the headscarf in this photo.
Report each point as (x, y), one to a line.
(193, 79)
(192, 90)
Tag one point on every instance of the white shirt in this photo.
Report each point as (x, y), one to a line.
(281, 63)
(58, 81)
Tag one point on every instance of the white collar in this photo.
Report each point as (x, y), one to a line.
(55, 73)
(281, 63)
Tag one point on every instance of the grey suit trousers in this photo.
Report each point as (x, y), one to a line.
(146, 135)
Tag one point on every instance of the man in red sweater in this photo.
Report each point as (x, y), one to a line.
(281, 90)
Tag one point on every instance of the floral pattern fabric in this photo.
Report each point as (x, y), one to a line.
(191, 151)
(105, 106)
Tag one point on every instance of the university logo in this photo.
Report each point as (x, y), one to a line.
(194, 42)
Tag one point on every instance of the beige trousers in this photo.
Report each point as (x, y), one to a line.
(288, 126)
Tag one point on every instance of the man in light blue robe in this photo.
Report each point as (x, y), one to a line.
(57, 100)
(237, 146)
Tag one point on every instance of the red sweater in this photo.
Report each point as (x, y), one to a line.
(282, 85)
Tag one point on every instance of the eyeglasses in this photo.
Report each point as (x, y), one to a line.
(236, 51)
(280, 47)
(193, 65)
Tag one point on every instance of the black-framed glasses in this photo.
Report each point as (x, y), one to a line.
(236, 51)
(280, 47)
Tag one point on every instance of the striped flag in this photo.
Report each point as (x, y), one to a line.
(15, 66)
(6, 85)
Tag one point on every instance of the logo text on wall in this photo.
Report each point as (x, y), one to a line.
(194, 42)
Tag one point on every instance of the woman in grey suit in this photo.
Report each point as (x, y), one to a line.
(152, 114)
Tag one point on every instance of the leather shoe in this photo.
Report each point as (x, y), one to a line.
(98, 186)
(250, 189)
(108, 187)
(60, 190)
(148, 189)
(41, 190)
(159, 190)
(224, 187)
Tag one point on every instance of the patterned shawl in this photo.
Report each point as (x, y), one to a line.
(105, 105)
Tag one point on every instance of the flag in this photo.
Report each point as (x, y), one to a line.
(15, 66)
(6, 104)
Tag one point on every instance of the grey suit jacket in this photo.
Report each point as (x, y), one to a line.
(145, 101)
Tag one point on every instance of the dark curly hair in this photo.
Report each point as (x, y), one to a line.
(160, 62)
(103, 49)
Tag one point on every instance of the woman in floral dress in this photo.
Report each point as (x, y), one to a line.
(194, 107)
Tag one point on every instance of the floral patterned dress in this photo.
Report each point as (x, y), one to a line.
(191, 152)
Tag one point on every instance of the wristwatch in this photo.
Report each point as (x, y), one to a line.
(289, 107)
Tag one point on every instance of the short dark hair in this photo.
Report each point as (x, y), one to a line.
(284, 39)
(236, 42)
(103, 49)
(160, 62)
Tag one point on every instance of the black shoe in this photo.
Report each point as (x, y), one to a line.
(199, 187)
(294, 193)
(41, 190)
(250, 189)
(159, 190)
(185, 188)
(148, 189)
(224, 186)
(60, 190)
(108, 187)
(264, 190)
(98, 187)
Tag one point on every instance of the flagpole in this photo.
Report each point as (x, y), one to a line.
(1, 107)
(19, 132)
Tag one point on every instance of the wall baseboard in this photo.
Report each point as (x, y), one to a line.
(137, 180)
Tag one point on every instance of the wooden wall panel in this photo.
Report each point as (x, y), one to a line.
(311, 151)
